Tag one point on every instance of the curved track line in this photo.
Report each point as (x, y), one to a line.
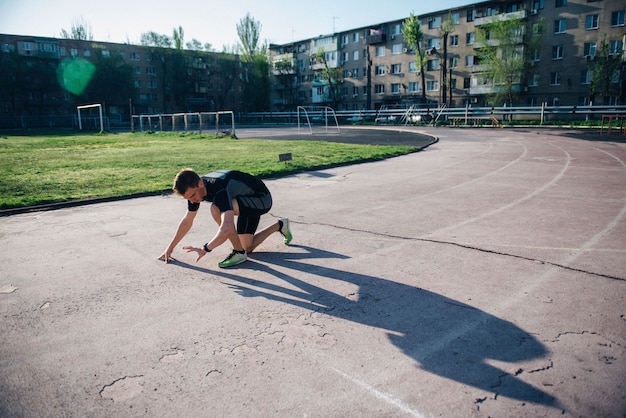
(516, 202)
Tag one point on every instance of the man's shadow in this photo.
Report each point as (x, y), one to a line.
(446, 337)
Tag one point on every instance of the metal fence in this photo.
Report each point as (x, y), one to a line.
(222, 122)
(464, 115)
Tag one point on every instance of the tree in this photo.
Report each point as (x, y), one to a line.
(178, 36)
(249, 31)
(80, 31)
(156, 40)
(112, 82)
(331, 76)
(413, 36)
(285, 73)
(447, 27)
(255, 56)
(604, 71)
(504, 49)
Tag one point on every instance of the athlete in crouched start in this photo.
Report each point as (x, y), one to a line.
(232, 193)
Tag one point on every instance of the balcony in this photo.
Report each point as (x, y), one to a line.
(377, 38)
(520, 14)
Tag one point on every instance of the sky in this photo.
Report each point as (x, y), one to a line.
(208, 21)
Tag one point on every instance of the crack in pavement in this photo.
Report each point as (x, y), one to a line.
(472, 247)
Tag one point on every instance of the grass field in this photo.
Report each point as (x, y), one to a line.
(43, 169)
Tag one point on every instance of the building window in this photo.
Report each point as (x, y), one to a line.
(537, 55)
(380, 51)
(456, 18)
(134, 56)
(396, 49)
(432, 85)
(454, 40)
(585, 77)
(534, 80)
(454, 62)
(137, 84)
(137, 70)
(615, 47)
(106, 53)
(355, 73)
(434, 43)
(355, 37)
(355, 91)
(380, 70)
(589, 49)
(469, 38)
(412, 67)
(414, 87)
(467, 82)
(87, 53)
(396, 30)
(379, 89)
(395, 88)
(591, 22)
(434, 22)
(396, 69)
(555, 78)
(344, 40)
(355, 56)
(557, 52)
(560, 3)
(432, 65)
(469, 60)
(617, 18)
(559, 26)
(538, 4)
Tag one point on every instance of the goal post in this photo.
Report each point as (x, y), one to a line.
(80, 122)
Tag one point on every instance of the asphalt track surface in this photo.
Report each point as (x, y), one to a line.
(483, 276)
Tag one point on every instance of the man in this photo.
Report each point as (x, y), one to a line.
(232, 193)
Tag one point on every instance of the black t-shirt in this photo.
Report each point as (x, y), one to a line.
(224, 185)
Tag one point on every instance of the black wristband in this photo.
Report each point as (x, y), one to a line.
(205, 248)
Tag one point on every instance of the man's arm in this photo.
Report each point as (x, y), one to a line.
(183, 227)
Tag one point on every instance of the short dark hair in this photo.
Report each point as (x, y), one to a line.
(185, 179)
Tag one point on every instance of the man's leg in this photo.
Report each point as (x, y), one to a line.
(217, 217)
(250, 242)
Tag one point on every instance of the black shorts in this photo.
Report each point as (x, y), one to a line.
(250, 210)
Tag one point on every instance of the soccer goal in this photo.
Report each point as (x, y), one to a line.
(319, 119)
(222, 122)
(92, 118)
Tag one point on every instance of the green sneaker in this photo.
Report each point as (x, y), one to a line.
(286, 231)
(233, 259)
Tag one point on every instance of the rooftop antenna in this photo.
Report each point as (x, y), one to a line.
(334, 18)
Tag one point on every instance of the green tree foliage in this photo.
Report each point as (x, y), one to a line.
(80, 31)
(285, 74)
(249, 32)
(413, 36)
(503, 54)
(604, 71)
(178, 36)
(331, 76)
(156, 40)
(112, 82)
(255, 57)
(447, 27)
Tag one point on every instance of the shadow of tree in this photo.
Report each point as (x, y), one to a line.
(445, 337)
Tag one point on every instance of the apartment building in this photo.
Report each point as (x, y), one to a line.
(161, 80)
(377, 68)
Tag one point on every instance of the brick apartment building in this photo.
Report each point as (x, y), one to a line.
(168, 81)
(161, 80)
(559, 71)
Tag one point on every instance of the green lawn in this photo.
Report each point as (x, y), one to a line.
(41, 169)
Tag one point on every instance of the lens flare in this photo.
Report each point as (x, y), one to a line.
(74, 74)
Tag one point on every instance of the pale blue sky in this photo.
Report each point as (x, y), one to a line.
(206, 20)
